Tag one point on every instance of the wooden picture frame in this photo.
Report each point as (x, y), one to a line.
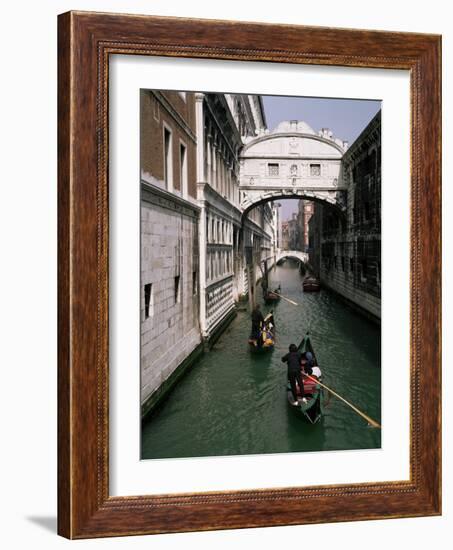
(85, 41)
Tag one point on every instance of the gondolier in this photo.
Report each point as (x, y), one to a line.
(293, 359)
(311, 404)
(257, 321)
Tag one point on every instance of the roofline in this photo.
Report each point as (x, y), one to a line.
(263, 113)
(292, 134)
(366, 129)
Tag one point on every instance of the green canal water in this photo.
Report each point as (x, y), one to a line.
(233, 401)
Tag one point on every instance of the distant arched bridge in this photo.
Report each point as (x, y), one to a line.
(296, 254)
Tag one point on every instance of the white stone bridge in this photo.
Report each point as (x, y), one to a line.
(292, 161)
(296, 254)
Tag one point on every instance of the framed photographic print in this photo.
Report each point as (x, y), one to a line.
(249, 275)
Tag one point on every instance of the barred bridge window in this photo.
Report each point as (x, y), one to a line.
(272, 169)
(315, 169)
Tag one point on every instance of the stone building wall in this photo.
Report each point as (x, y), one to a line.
(346, 252)
(169, 286)
(305, 212)
(169, 300)
(223, 122)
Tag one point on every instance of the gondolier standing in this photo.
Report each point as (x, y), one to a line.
(293, 358)
(257, 321)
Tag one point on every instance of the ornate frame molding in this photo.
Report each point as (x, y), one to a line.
(86, 40)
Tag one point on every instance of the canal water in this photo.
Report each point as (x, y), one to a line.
(233, 401)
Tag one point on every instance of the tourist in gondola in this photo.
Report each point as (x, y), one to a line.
(309, 363)
(269, 319)
(293, 359)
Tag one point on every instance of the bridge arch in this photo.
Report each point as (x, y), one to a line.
(292, 254)
(336, 200)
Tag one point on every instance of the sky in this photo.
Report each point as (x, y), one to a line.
(345, 117)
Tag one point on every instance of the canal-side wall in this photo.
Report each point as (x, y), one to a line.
(168, 384)
(170, 330)
(362, 301)
(346, 247)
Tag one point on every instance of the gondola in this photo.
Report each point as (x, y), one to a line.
(266, 339)
(312, 410)
(271, 296)
(311, 284)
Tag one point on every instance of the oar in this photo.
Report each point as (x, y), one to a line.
(285, 298)
(363, 415)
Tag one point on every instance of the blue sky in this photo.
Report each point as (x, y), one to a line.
(345, 117)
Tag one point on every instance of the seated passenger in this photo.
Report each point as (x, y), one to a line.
(316, 371)
(308, 367)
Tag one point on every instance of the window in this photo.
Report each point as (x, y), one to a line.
(367, 210)
(148, 300)
(364, 270)
(183, 169)
(194, 283)
(156, 112)
(351, 264)
(167, 160)
(272, 169)
(177, 290)
(315, 170)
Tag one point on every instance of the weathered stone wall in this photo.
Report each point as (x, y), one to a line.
(346, 247)
(170, 263)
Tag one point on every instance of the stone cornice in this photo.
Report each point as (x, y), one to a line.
(263, 114)
(294, 158)
(231, 121)
(253, 226)
(154, 195)
(215, 201)
(297, 190)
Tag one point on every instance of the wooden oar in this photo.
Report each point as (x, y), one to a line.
(284, 297)
(363, 415)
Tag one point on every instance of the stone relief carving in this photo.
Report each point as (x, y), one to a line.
(294, 146)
